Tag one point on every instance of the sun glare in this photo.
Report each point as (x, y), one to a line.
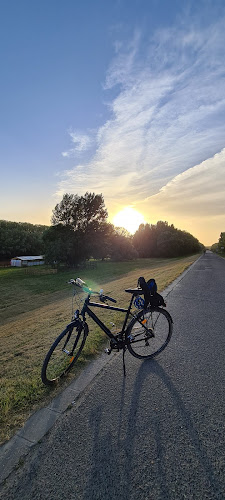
(129, 218)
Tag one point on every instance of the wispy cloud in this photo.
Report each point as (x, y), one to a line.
(81, 143)
(199, 190)
(194, 200)
(167, 117)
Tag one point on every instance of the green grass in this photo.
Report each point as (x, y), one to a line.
(22, 292)
(35, 307)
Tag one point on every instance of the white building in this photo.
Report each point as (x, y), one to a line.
(34, 260)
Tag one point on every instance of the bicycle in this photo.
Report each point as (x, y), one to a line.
(145, 336)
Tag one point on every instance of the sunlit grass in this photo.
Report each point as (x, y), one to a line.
(36, 308)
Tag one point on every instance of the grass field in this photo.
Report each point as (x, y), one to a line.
(34, 309)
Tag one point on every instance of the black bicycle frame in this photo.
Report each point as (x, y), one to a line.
(86, 309)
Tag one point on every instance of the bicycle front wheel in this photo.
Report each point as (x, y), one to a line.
(63, 353)
(149, 333)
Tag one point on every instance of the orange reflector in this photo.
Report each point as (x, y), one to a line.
(71, 359)
(144, 321)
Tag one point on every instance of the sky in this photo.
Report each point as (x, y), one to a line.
(120, 97)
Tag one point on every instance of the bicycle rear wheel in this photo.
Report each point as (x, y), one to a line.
(149, 333)
(64, 352)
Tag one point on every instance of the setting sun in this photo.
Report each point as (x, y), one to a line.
(129, 218)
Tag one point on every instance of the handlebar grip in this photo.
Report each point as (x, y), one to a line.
(80, 282)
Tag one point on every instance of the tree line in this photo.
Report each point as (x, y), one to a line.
(79, 231)
(220, 245)
(164, 240)
(20, 238)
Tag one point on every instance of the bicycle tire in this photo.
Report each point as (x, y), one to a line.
(149, 333)
(63, 353)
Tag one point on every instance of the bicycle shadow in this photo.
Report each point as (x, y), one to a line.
(114, 459)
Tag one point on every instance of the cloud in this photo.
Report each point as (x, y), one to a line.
(167, 117)
(122, 65)
(81, 141)
(197, 192)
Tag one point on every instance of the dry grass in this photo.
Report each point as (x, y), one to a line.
(26, 338)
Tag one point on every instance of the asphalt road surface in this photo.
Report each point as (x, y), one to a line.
(158, 434)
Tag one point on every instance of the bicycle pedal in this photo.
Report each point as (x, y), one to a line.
(108, 351)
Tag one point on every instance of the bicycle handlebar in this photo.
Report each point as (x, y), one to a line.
(81, 284)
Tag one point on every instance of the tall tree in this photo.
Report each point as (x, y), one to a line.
(84, 219)
(79, 212)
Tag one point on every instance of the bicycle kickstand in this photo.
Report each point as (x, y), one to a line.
(124, 368)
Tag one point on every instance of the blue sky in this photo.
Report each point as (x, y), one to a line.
(126, 98)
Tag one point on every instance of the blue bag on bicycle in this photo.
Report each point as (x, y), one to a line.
(150, 293)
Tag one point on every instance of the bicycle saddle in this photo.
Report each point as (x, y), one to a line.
(135, 291)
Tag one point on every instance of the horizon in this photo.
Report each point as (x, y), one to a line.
(116, 227)
(120, 98)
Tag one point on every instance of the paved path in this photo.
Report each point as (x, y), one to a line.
(159, 433)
